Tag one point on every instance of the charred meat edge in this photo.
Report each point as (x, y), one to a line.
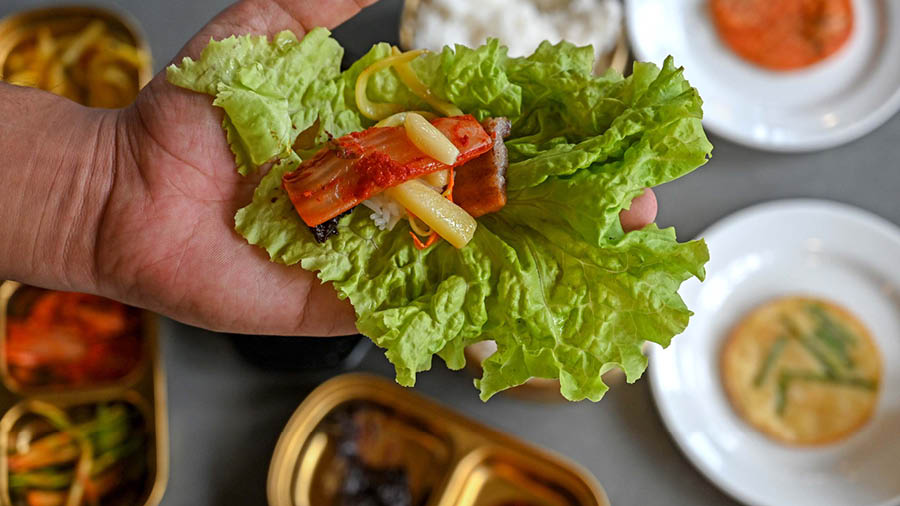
(480, 185)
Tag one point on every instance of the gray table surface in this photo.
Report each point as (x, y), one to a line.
(225, 415)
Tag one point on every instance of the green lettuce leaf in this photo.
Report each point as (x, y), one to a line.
(551, 278)
(271, 91)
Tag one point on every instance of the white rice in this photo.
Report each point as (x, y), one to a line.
(520, 25)
(386, 211)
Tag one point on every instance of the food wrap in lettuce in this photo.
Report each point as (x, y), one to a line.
(551, 278)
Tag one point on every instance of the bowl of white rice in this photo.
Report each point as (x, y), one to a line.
(520, 25)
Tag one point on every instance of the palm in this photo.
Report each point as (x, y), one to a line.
(167, 241)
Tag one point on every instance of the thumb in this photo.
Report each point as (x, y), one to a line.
(268, 17)
(640, 213)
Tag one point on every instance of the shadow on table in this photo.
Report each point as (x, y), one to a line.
(652, 438)
(230, 397)
(243, 463)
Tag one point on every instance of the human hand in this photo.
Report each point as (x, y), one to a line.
(165, 237)
(168, 241)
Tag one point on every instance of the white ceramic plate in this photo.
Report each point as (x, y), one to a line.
(835, 101)
(786, 247)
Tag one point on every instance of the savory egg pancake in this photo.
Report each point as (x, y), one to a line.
(802, 370)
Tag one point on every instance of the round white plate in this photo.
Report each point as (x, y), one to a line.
(835, 101)
(786, 247)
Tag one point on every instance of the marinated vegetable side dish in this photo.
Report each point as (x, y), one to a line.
(466, 195)
(86, 60)
(64, 340)
(89, 455)
(802, 370)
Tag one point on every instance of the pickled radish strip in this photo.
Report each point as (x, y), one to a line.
(444, 217)
(429, 139)
(436, 179)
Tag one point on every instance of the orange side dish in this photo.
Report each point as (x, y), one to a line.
(783, 34)
(68, 339)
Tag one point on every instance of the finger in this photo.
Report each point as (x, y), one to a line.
(641, 213)
(306, 14)
(268, 17)
(326, 315)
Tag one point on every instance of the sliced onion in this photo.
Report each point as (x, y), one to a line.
(411, 80)
(373, 110)
(418, 226)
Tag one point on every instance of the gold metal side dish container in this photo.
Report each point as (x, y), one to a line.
(359, 434)
(109, 420)
(142, 392)
(30, 35)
